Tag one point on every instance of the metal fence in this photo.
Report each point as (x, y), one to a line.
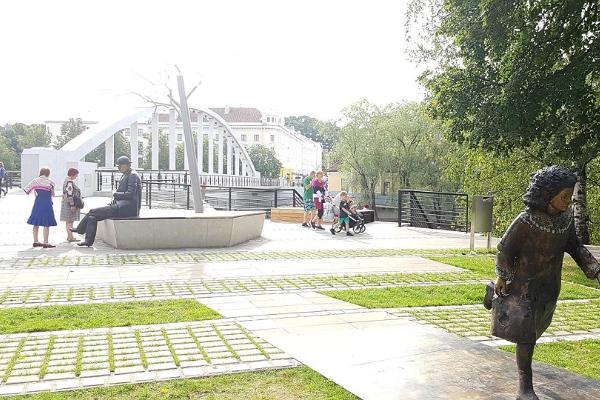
(13, 179)
(109, 179)
(167, 194)
(433, 210)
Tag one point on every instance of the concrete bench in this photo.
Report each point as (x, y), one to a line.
(215, 229)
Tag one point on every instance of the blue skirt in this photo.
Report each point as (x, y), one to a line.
(42, 213)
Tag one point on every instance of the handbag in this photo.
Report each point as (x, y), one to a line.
(78, 202)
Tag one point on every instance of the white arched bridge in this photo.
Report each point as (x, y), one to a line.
(227, 157)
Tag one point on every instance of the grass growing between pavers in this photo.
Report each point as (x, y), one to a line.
(437, 295)
(286, 384)
(581, 357)
(84, 316)
(486, 265)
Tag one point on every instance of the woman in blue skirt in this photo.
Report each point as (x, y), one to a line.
(42, 213)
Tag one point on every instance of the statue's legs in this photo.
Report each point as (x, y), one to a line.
(524, 358)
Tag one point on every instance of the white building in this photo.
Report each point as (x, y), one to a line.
(295, 151)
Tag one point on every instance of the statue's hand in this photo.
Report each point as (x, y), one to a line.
(501, 287)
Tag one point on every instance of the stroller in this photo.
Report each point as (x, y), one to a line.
(357, 223)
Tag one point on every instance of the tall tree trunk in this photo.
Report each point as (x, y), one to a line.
(580, 206)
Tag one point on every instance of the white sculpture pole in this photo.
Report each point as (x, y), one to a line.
(189, 148)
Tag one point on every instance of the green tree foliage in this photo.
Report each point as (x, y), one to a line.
(69, 130)
(360, 150)
(163, 154)
(265, 161)
(122, 148)
(324, 132)
(7, 154)
(518, 74)
(17, 137)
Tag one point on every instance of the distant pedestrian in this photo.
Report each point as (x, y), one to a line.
(309, 205)
(318, 187)
(71, 203)
(344, 214)
(3, 180)
(42, 213)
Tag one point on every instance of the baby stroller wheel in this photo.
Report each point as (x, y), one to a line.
(363, 228)
(357, 228)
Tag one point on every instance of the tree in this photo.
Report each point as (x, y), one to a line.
(265, 161)
(361, 150)
(519, 74)
(34, 136)
(69, 130)
(7, 154)
(163, 154)
(324, 132)
(122, 148)
(17, 137)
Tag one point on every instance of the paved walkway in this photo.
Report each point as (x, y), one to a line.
(266, 291)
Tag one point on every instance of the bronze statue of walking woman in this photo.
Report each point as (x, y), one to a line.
(529, 263)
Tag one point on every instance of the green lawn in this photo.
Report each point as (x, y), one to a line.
(288, 384)
(486, 265)
(437, 295)
(582, 357)
(36, 319)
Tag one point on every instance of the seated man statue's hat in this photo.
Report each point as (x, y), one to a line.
(123, 160)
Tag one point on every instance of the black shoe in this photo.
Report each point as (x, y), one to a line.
(320, 227)
(489, 295)
(349, 234)
(305, 225)
(332, 231)
(312, 224)
(84, 244)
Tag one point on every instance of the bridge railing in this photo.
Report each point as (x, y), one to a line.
(13, 179)
(109, 179)
(433, 210)
(168, 194)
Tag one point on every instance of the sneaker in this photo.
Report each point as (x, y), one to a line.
(48, 246)
(305, 225)
(37, 244)
(332, 231)
(489, 295)
(349, 234)
(320, 227)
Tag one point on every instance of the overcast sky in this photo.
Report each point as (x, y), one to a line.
(64, 59)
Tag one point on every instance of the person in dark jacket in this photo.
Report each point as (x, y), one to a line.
(126, 202)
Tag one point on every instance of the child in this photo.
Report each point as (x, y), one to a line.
(344, 212)
(42, 213)
(529, 263)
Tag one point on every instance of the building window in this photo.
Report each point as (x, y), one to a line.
(272, 138)
(140, 131)
(257, 138)
(243, 138)
(179, 137)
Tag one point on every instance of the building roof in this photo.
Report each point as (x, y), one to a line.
(239, 114)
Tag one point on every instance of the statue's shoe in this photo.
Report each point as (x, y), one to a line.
(489, 295)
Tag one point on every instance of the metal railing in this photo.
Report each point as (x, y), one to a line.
(13, 178)
(109, 179)
(433, 210)
(167, 194)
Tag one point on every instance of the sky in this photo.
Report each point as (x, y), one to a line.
(63, 59)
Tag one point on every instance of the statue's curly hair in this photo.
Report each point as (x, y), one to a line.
(546, 183)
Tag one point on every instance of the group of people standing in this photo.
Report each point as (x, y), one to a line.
(315, 193)
(126, 203)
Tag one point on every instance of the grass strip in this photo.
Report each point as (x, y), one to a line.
(83, 316)
(111, 352)
(225, 342)
(581, 357)
(170, 346)
(46, 360)
(138, 340)
(13, 360)
(284, 384)
(79, 356)
(254, 342)
(437, 295)
(486, 266)
(199, 345)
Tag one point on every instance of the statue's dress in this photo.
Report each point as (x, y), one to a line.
(530, 256)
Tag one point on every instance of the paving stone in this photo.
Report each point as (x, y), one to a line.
(93, 381)
(12, 389)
